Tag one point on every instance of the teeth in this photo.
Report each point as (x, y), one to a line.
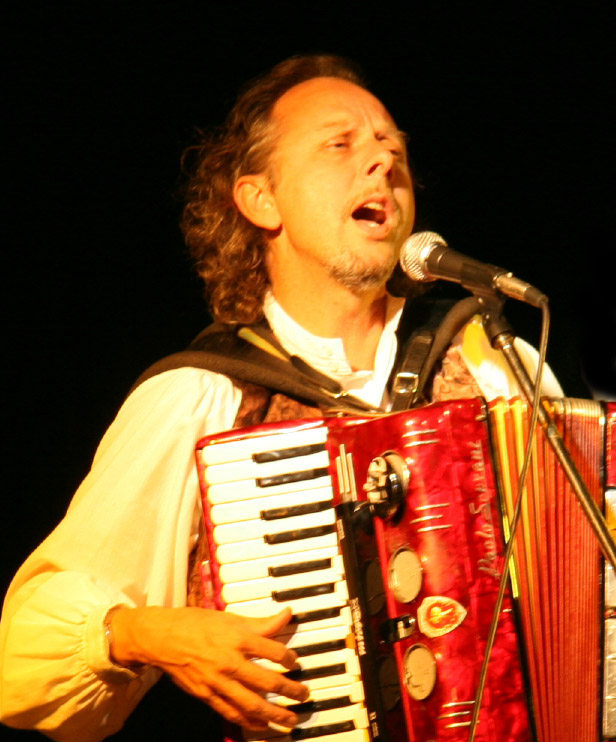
(374, 205)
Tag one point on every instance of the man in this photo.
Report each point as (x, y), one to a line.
(297, 211)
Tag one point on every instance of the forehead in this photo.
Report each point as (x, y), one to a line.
(328, 102)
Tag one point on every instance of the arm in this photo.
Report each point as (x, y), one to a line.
(124, 541)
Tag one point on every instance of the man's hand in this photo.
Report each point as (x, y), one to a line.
(207, 653)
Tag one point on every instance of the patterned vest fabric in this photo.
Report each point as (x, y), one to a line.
(259, 405)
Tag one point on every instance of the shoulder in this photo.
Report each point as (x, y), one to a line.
(490, 369)
(180, 402)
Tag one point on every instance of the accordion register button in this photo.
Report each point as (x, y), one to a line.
(419, 671)
(405, 575)
(386, 483)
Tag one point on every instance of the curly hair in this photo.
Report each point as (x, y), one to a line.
(228, 250)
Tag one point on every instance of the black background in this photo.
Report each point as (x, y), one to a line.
(509, 116)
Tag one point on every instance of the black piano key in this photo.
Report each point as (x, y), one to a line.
(325, 704)
(290, 477)
(308, 591)
(288, 512)
(295, 569)
(316, 672)
(287, 453)
(321, 731)
(285, 536)
(316, 615)
(329, 646)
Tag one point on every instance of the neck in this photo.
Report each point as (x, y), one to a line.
(358, 320)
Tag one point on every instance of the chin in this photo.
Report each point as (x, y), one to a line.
(359, 279)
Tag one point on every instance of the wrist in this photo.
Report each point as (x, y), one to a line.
(117, 636)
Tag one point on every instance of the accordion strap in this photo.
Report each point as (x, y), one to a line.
(426, 345)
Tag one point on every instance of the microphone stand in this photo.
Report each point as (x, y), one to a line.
(501, 337)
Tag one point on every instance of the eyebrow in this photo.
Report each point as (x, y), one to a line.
(345, 123)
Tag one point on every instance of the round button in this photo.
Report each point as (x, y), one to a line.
(405, 575)
(419, 671)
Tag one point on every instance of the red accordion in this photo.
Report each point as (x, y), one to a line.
(385, 537)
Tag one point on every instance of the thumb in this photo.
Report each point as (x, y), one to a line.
(270, 624)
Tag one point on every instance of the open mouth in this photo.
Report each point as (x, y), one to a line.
(372, 212)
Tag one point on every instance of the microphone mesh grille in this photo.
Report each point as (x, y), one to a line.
(413, 254)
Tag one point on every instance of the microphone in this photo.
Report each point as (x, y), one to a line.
(425, 256)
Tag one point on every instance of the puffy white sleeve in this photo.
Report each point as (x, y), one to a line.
(125, 539)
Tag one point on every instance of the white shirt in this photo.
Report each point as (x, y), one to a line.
(129, 528)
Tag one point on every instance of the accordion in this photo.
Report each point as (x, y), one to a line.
(385, 535)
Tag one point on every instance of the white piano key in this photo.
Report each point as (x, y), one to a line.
(356, 735)
(325, 659)
(258, 549)
(217, 453)
(318, 636)
(356, 713)
(258, 568)
(248, 489)
(252, 529)
(329, 681)
(268, 607)
(251, 509)
(354, 691)
(237, 592)
(295, 631)
(249, 469)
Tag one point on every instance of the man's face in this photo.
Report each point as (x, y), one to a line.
(341, 184)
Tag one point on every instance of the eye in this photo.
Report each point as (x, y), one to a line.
(340, 142)
(396, 147)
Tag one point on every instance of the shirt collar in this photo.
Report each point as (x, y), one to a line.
(327, 354)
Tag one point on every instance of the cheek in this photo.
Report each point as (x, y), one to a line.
(313, 203)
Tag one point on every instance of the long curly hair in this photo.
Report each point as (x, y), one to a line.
(228, 250)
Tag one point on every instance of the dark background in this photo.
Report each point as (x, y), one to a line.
(509, 116)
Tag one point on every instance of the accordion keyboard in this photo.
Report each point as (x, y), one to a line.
(272, 530)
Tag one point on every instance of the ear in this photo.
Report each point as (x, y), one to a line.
(254, 198)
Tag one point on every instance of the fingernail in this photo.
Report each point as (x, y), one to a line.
(279, 728)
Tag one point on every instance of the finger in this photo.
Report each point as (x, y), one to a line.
(255, 710)
(261, 680)
(269, 625)
(270, 649)
(235, 715)
(237, 704)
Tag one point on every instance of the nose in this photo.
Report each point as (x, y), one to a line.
(381, 160)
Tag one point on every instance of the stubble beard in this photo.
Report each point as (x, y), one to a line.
(358, 276)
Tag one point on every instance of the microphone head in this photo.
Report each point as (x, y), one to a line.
(414, 252)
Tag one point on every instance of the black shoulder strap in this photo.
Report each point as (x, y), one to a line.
(254, 355)
(427, 328)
